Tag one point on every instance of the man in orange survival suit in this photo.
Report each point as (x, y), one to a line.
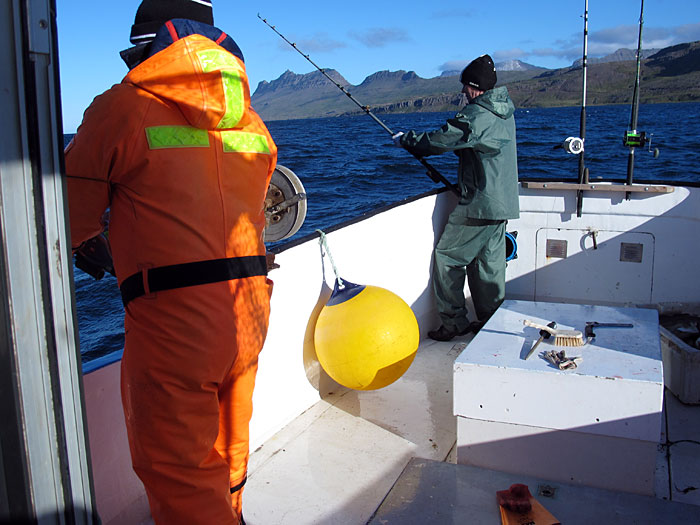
(183, 163)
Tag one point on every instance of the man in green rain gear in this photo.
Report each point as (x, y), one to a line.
(482, 135)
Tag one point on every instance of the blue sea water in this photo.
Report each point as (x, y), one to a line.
(349, 166)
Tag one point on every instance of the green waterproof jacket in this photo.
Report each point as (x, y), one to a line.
(482, 135)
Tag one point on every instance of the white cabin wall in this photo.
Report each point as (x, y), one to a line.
(667, 222)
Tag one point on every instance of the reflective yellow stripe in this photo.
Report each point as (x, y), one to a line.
(242, 142)
(160, 137)
(233, 83)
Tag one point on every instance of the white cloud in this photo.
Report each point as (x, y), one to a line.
(508, 54)
(319, 42)
(555, 52)
(380, 37)
(687, 32)
(620, 36)
(453, 65)
(607, 41)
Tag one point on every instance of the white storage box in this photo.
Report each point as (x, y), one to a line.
(681, 367)
(597, 425)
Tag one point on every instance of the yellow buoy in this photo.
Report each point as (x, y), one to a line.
(366, 337)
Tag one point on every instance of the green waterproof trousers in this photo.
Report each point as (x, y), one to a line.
(474, 248)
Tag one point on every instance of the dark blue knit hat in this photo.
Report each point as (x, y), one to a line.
(152, 14)
(480, 74)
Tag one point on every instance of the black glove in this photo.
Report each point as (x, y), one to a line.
(94, 257)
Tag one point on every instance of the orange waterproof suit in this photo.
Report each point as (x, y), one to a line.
(183, 163)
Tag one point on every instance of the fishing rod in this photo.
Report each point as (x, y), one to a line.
(582, 170)
(575, 145)
(633, 138)
(433, 173)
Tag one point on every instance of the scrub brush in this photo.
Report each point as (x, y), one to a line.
(561, 337)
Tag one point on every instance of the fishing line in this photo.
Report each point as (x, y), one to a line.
(434, 174)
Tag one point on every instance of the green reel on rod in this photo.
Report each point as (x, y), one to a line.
(639, 139)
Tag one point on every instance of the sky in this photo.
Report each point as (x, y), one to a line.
(362, 37)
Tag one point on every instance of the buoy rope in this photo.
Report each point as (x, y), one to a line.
(324, 248)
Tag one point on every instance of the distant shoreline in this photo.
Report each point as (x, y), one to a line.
(671, 75)
(360, 113)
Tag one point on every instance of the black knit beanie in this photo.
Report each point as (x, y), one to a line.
(152, 14)
(480, 74)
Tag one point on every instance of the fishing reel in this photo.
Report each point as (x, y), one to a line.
(285, 205)
(573, 145)
(639, 139)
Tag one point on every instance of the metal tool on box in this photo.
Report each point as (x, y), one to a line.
(544, 334)
(590, 325)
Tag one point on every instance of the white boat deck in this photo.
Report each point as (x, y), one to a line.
(336, 463)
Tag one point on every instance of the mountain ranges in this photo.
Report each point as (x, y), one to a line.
(671, 74)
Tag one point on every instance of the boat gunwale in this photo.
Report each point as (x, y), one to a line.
(279, 248)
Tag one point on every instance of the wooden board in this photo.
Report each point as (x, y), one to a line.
(537, 516)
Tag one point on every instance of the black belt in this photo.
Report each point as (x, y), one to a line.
(240, 485)
(191, 274)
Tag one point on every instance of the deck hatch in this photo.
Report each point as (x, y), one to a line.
(557, 248)
(631, 252)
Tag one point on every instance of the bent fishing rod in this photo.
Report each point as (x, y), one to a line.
(433, 173)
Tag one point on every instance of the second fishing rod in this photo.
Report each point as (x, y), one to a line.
(433, 173)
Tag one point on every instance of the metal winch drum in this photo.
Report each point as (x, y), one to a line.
(285, 205)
